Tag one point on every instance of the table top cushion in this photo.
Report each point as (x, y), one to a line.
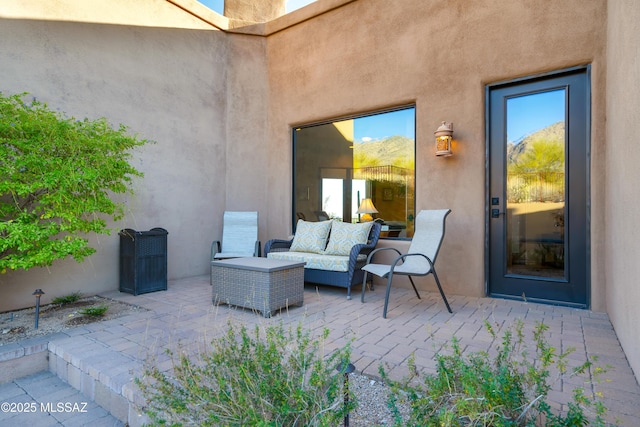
(266, 265)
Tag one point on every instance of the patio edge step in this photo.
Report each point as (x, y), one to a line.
(78, 362)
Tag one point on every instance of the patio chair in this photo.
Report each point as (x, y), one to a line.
(322, 215)
(418, 261)
(239, 237)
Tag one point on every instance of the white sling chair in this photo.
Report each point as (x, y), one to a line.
(420, 259)
(239, 237)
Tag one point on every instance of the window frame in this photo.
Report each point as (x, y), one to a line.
(294, 132)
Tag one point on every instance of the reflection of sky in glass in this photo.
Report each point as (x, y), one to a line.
(218, 5)
(379, 126)
(529, 113)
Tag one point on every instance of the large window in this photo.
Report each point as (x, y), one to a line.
(340, 163)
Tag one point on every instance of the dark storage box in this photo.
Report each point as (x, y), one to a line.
(143, 260)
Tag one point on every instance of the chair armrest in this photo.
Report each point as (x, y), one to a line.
(403, 257)
(277, 245)
(375, 251)
(216, 247)
(360, 249)
(364, 249)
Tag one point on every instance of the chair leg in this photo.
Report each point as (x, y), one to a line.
(414, 287)
(364, 285)
(435, 276)
(386, 298)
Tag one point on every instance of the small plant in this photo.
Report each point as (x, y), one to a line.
(95, 311)
(67, 299)
(273, 377)
(509, 389)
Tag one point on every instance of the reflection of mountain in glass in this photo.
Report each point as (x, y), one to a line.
(542, 150)
(395, 151)
(535, 167)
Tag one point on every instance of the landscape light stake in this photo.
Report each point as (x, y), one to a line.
(347, 370)
(38, 293)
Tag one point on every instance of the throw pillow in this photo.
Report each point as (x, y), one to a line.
(311, 236)
(345, 235)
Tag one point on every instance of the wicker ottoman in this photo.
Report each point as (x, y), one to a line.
(261, 284)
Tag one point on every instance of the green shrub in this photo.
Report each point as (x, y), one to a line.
(67, 299)
(58, 179)
(509, 389)
(273, 377)
(95, 311)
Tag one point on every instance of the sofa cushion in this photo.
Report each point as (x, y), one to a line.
(311, 236)
(345, 235)
(317, 261)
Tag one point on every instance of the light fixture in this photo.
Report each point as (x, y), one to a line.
(38, 293)
(366, 209)
(346, 368)
(443, 139)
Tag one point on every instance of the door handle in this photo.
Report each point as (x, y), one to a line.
(495, 213)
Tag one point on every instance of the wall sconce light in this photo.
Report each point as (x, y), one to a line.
(443, 139)
(366, 209)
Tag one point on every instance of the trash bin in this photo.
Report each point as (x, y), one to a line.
(143, 260)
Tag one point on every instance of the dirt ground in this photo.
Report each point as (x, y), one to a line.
(20, 324)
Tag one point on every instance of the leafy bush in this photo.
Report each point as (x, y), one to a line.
(96, 311)
(67, 299)
(273, 377)
(57, 177)
(507, 390)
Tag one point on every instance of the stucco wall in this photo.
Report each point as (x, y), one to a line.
(623, 155)
(166, 84)
(150, 13)
(366, 55)
(246, 184)
(254, 10)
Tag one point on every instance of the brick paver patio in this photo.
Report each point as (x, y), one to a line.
(102, 359)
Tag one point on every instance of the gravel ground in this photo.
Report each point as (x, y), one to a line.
(372, 409)
(20, 324)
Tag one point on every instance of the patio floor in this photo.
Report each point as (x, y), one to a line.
(102, 359)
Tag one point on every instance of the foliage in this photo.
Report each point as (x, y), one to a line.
(273, 377)
(67, 299)
(96, 311)
(391, 151)
(543, 155)
(509, 389)
(57, 176)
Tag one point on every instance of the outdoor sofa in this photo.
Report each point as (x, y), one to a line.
(333, 251)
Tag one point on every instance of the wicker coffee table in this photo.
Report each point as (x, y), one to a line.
(261, 284)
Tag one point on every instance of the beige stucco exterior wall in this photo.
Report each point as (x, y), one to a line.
(254, 10)
(148, 13)
(246, 185)
(367, 55)
(623, 156)
(168, 85)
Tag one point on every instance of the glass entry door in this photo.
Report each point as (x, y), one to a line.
(538, 228)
